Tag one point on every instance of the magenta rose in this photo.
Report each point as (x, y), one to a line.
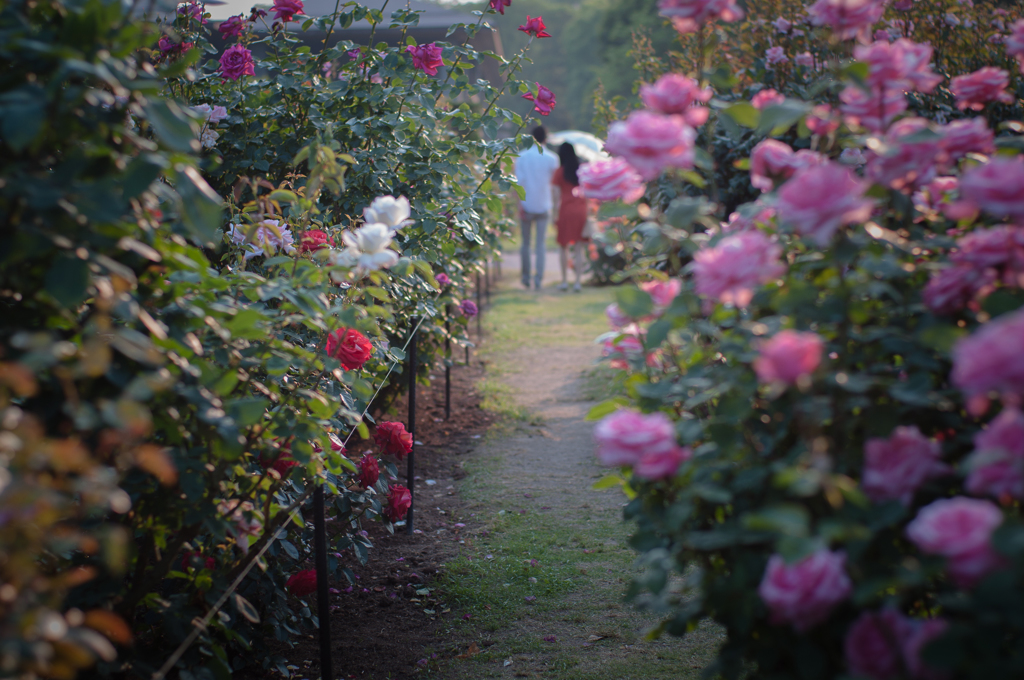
(901, 65)
(766, 98)
(610, 180)
(962, 137)
(369, 471)
(661, 464)
(427, 57)
(625, 437)
(623, 348)
(543, 99)
(992, 359)
(896, 467)
(846, 18)
(443, 279)
(974, 90)
(688, 16)
(468, 308)
(651, 142)
(818, 200)
(616, 317)
(399, 502)
(676, 94)
(788, 357)
(996, 187)
(997, 464)
(739, 264)
(232, 27)
(874, 645)
(302, 583)
(904, 165)
(534, 27)
(803, 594)
(284, 10)
(500, 5)
(960, 529)
(953, 287)
(821, 121)
(770, 163)
(662, 293)
(236, 62)
(872, 111)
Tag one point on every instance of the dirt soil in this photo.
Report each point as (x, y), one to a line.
(380, 626)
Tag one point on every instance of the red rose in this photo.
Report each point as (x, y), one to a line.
(314, 239)
(369, 471)
(393, 439)
(350, 347)
(281, 464)
(399, 502)
(302, 583)
(186, 560)
(535, 26)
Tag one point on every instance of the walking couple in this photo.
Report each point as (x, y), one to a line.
(549, 183)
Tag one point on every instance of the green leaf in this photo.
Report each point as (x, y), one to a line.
(142, 172)
(744, 113)
(788, 519)
(606, 408)
(634, 302)
(609, 481)
(172, 125)
(202, 210)
(778, 118)
(23, 112)
(246, 411)
(67, 280)
(283, 196)
(289, 548)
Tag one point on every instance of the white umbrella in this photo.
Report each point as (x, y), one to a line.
(587, 146)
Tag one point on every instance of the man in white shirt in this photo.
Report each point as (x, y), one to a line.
(534, 168)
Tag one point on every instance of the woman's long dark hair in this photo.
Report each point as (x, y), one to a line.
(570, 163)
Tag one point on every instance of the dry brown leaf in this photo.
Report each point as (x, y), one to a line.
(473, 649)
(155, 460)
(110, 624)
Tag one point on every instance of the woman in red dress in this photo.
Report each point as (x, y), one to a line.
(572, 213)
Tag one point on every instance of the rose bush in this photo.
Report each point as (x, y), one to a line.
(208, 269)
(843, 357)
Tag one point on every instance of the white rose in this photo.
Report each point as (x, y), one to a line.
(369, 239)
(388, 210)
(209, 138)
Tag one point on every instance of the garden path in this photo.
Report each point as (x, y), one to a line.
(542, 579)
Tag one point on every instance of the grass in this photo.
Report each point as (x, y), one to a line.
(530, 573)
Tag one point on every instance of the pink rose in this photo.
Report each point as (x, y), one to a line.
(962, 137)
(872, 111)
(874, 644)
(623, 348)
(805, 593)
(781, 25)
(427, 57)
(500, 5)
(997, 464)
(543, 100)
(236, 62)
(960, 529)
(766, 98)
(775, 55)
(770, 161)
(992, 247)
(820, 120)
(847, 18)
(661, 464)
(610, 180)
(992, 359)
(789, 357)
(953, 287)
(935, 196)
(662, 292)
(232, 27)
(285, 9)
(442, 279)
(896, 467)
(689, 15)
(677, 94)
(819, 200)
(805, 59)
(1015, 43)
(905, 165)
(730, 271)
(616, 317)
(625, 437)
(534, 27)
(902, 65)
(996, 187)
(974, 90)
(651, 142)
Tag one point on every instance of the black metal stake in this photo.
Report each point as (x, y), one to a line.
(323, 602)
(447, 363)
(479, 305)
(411, 472)
(467, 355)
